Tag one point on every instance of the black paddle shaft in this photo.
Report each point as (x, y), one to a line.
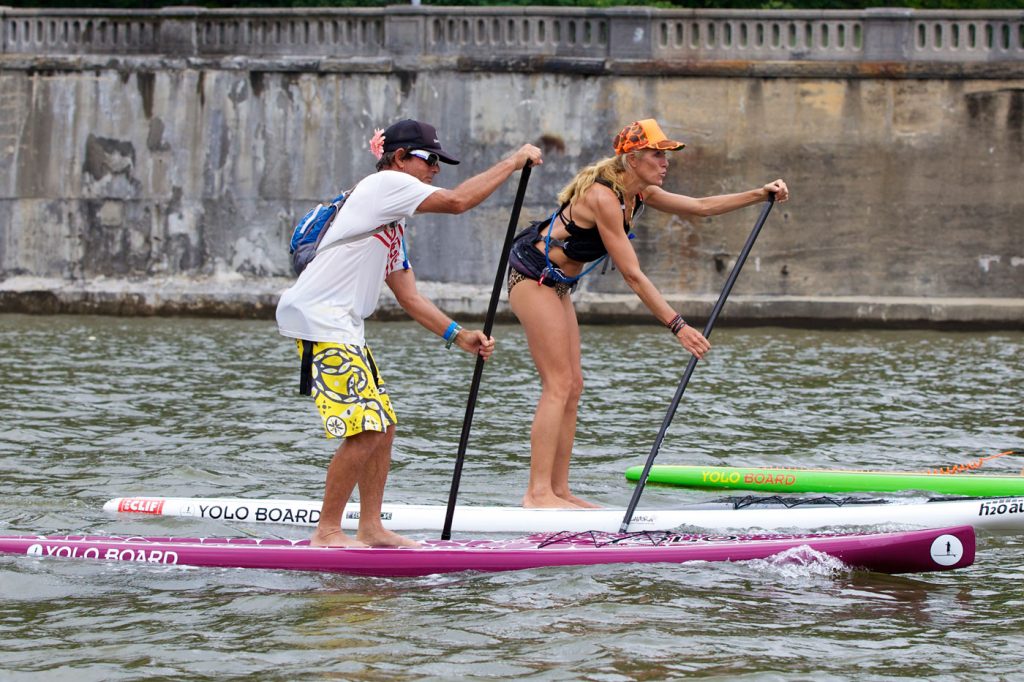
(474, 387)
(674, 405)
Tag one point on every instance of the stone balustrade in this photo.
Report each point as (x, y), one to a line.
(414, 32)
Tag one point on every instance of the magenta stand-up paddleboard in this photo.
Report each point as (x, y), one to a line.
(896, 552)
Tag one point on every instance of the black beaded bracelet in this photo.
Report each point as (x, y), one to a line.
(676, 324)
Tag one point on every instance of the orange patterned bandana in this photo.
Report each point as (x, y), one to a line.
(645, 134)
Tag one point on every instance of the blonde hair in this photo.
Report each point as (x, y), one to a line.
(611, 169)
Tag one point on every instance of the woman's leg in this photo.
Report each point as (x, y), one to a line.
(550, 335)
(560, 474)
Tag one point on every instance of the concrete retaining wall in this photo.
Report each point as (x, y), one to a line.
(167, 181)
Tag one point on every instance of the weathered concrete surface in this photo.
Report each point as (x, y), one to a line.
(168, 179)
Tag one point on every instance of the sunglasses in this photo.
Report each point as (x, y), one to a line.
(430, 158)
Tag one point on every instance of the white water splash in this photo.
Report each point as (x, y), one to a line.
(802, 562)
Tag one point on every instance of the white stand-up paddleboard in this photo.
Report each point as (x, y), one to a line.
(1003, 514)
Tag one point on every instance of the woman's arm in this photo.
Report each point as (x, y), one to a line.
(682, 205)
(608, 213)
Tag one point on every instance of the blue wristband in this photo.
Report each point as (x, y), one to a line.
(451, 330)
(449, 340)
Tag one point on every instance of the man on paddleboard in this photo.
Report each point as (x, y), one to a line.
(326, 307)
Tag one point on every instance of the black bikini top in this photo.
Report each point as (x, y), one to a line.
(584, 244)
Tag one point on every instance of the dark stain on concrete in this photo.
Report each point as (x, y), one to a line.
(256, 79)
(155, 138)
(103, 157)
(36, 139)
(551, 143)
(406, 82)
(981, 108)
(146, 81)
(852, 111)
(1015, 118)
(201, 89)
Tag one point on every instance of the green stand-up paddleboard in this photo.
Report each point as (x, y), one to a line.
(829, 481)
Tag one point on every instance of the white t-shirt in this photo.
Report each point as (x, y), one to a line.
(340, 287)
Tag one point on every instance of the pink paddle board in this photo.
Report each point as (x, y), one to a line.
(892, 552)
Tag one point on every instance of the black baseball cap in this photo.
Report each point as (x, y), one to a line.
(410, 134)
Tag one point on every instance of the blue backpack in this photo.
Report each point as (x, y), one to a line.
(307, 235)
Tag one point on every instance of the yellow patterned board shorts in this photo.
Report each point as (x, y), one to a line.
(348, 390)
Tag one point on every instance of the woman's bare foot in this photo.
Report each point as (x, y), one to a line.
(333, 538)
(385, 538)
(550, 501)
(580, 502)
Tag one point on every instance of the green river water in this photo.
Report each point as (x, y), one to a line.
(94, 408)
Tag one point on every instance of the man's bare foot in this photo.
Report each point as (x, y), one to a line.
(333, 538)
(551, 501)
(385, 538)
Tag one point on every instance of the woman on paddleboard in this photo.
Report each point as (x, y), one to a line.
(324, 312)
(596, 213)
